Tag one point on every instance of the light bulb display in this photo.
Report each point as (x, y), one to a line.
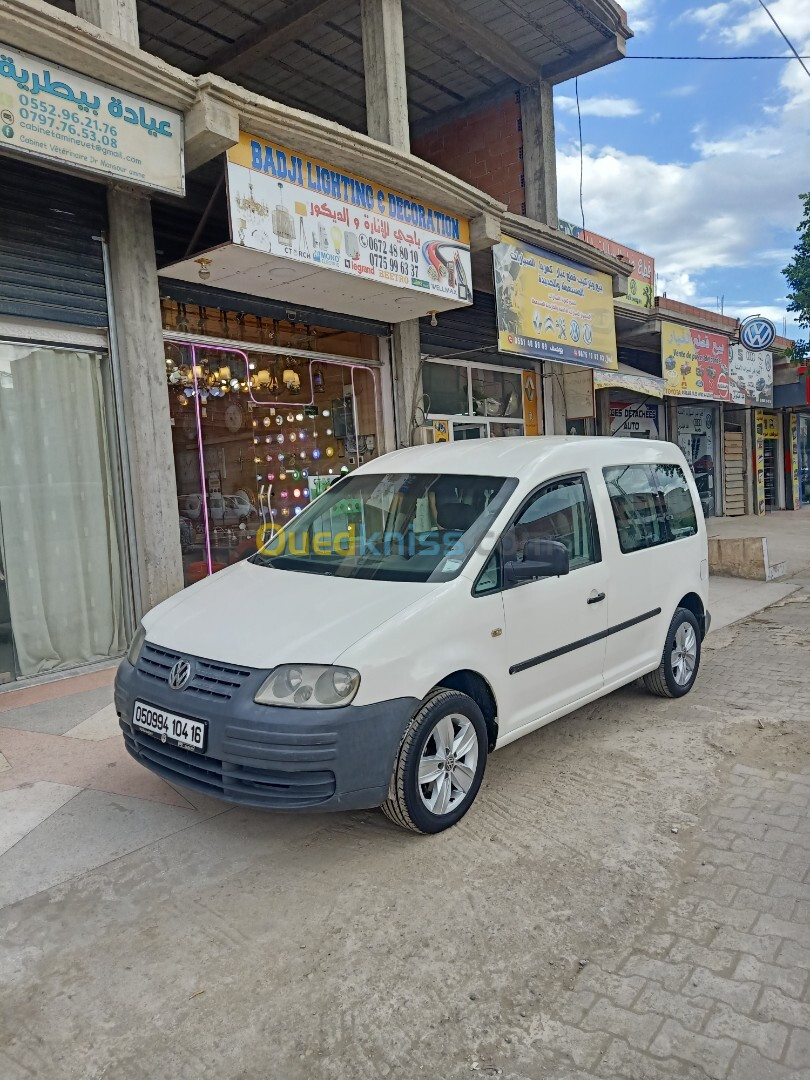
(279, 420)
(285, 512)
(290, 418)
(296, 493)
(302, 434)
(295, 474)
(328, 431)
(266, 421)
(344, 469)
(330, 451)
(326, 412)
(303, 456)
(284, 494)
(293, 436)
(297, 511)
(305, 493)
(280, 438)
(316, 454)
(282, 476)
(271, 476)
(299, 416)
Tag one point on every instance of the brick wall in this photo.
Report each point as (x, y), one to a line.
(485, 149)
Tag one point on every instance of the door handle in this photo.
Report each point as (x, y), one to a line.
(596, 598)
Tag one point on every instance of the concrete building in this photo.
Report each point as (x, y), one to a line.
(233, 238)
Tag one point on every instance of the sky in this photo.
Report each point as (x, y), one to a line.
(698, 164)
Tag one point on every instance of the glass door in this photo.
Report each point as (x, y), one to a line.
(62, 593)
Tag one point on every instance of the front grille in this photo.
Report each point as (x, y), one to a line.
(212, 680)
(270, 788)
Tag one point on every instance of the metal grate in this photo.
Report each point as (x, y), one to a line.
(211, 680)
(270, 788)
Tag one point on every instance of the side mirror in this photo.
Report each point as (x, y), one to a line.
(541, 558)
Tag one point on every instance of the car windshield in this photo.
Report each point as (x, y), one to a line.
(390, 527)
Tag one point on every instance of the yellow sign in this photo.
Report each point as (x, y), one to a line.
(794, 461)
(441, 431)
(550, 308)
(759, 459)
(770, 425)
(696, 362)
(531, 402)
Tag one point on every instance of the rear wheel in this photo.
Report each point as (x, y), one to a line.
(440, 764)
(676, 674)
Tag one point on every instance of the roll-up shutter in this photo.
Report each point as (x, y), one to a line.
(465, 330)
(51, 264)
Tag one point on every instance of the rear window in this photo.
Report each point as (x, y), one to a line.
(652, 505)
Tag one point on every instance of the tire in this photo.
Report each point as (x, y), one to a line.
(427, 743)
(673, 679)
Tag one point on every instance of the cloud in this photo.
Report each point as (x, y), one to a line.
(682, 91)
(639, 15)
(612, 107)
(736, 205)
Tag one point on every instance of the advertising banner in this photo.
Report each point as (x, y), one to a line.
(551, 308)
(794, 462)
(52, 113)
(696, 362)
(759, 460)
(641, 267)
(633, 419)
(285, 204)
(751, 377)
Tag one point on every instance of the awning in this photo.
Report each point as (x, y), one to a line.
(648, 385)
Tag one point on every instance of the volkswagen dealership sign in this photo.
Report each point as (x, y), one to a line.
(757, 333)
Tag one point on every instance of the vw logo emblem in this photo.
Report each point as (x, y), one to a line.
(180, 675)
(757, 333)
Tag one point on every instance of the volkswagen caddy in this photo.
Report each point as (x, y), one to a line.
(428, 609)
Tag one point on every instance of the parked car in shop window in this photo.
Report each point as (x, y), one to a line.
(429, 608)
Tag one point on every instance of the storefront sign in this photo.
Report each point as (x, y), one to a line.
(531, 402)
(751, 377)
(641, 267)
(757, 333)
(441, 431)
(52, 113)
(759, 459)
(551, 308)
(637, 419)
(794, 462)
(770, 425)
(285, 204)
(648, 385)
(696, 362)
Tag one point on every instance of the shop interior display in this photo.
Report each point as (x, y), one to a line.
(258, 434)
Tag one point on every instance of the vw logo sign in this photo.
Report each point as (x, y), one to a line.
(180, 675)
(757, 333)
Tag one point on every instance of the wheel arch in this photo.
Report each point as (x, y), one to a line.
(474, 685)
(692, 602)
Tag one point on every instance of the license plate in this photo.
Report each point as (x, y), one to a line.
(177, 730)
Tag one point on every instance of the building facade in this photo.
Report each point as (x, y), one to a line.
(240, 258)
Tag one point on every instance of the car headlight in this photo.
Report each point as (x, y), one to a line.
(134, 650)
(309, 686)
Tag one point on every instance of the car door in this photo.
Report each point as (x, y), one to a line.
(555, 627)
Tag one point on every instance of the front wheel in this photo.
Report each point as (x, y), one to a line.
(440, 764)
(676, 674)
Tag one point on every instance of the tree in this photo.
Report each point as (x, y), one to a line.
(797, 273)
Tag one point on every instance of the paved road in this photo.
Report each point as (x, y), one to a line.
(629, 898)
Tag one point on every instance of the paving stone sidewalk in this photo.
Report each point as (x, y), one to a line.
(719, 985)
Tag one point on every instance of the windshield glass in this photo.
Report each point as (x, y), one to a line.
(390, 526)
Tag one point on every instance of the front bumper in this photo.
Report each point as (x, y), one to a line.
(260, 755)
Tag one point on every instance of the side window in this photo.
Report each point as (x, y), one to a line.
(681, 518)
(489, 580)
(651, 504)
(559, 511)
(635, 506)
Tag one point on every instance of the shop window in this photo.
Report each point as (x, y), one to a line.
(257, 435)
(446, 389)
(497, 393)
(62, 594)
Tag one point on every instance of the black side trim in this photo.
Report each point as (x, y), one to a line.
(517, 668)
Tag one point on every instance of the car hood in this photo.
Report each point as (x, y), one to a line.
(258, 617)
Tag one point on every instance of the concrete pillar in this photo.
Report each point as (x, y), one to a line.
(384, 66)
(139, 339)
(387, 120)
(116, 17)
(539, 152)
(407, 377)
(135, 300)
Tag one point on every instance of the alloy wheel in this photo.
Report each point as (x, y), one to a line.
(448, 763)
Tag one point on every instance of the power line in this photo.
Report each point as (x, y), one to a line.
(788, 42)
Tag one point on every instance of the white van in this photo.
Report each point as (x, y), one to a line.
(431, 607)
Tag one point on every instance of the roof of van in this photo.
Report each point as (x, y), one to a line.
(517, 456)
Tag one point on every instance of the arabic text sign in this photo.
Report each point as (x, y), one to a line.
(50, 112)
(751, 377)
(551, 308)
(696, 362)
(298, 208)
(641, 267)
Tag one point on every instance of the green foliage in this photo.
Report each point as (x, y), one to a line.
(797, 271)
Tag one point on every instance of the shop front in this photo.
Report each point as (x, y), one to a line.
(629, 404)
(266, 413)
(696, 373)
